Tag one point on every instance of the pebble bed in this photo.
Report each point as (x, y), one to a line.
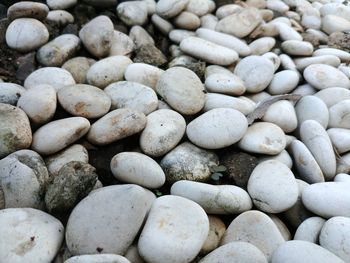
(175, 131)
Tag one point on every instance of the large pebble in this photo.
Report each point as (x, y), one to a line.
(272, 187)
(15, 130)
(330, 60)
(96, 224)
(332, 96)
(132, 13)
(170, 8)
(116, 125)
(333, 23)
(182, 90)
(217, 128)
(98, 258)
(78, 67)
(257, 229)
(164, 130)
(56, 135)
(340, 139)
(297, 48)
(27, 9)
(122, 44)
(228, 84)
(60, 17)
(137, 168)
(26, 34)
(84, 101)
(142, 73)
(176, 227)
(128, 94)
(10, 93)
(61, 4)
(338, 115)
(283, 82)
(256, 73)
(309, 230)
(188, 162)
(341, 54)
(29, 235)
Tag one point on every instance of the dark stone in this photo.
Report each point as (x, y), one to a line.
(3, 11)
(71, 29)
(25, 65)
(150, 54)
(53, 28)
(83, 13)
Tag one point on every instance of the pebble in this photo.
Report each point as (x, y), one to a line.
(56, 135)
(128, 94)
(15, 130)
(227, 10)
(332, 96)
(96, 224)
(228, 84)
(299, 251)
(164, 130)
(29, 235)
(198, 7)
(334, 236)
(84, 101)
(26, 34)
(309, 230)
(97, 36)
(163, 25)
(208, 51)
(10, 93)
(107, 71)
(181, 224)
(297, 48)
(60, 17)
(122, 44)
(282, 157)
(333, 23)
(256, 72)
(39, 103)
(221, 199)
(27, 9)
(337, 201)
(283, 82)
(59, 50)
(217, 229)
(272, 187)
(132, 13)
(140, 36)
(78, 68)
(338, 115)
(256, 228)
(238, 251)
(137, 168)
(170, 8)
(142, 73)
(177, 35)
(341, 54)
(98, 258)
(55, 77)
(116, 125)
(184, 94)
(342, 177)
(316, 139)
(187, 20)
(263, 137)
(61, 4)
(340, 138)
(331, 60)
(188, 162)
(217, 128)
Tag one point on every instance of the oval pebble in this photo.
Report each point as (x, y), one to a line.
(297, 48)
(142, 73)
(228, 84)
(309, 230)
(169, 9)
(332, 96)
(339, 115)
(283, 82)
(340, 139)
(78, 67)
(10, 93)
(27, 9)
(99, 258)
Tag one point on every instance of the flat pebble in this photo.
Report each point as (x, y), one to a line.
(98, 258)
(132, 13)
(341, 54)
(338, 115)
(122, 44)
(332, 96)
(283, 82)
(142, 73)
(340, 138)
(164, 26)
(60, 17)
(262, 45)
(309, 230)
(27, 9)
(297, 48)
(332, 23)
(330, 60)
(10, 93)
(78, 67)
(228, 84)
(187, 20)
(169, 9)
(61, 4)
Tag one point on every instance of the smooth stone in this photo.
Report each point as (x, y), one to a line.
(283, 82)
(137, 168)
(97, 36)
(305, 163)
(132, 95)
(225, 83)
(140, 36)
(241, 23)
(227, 9)
(281, 227)
(303, 251)
(256, 73)
(312, 108)
(208, 51)
(84, 101)
(238, 251)
(26, 34)
(342, 177)
(286, 32)
(107, 71)
(122, 44)
(337, 201)
(333, 23)
(116, 125)
(209, 21)
(187, 20)
(273, 58)
(338, 115)
(282, 114)
(215, 100)
(177, 35)
(96, 224)
(132, 13)
(58, 51)
(345, 69)
(39, 103)
(282, 157)
(61, 4)
(142, 73)
(341, 54)
(217, 128)
(330, 60)
(272, 187)
(335, 236)
(175, 227)
(323, 76)
(198, 7)
(78, 67)
(297, 48)
(15, 130)
(29, 235)
(188, 162)
(262, 45)
(310, 229)
(263, 137)
(217, 229)
(60, 17)
(164, 26)
(170, 8)
(214, 199)
(27, 9)
(287, 62)
(257, 229)
(10, 93)
(184, 94)
(340, 139)
(55, 77)
(332, 96)
(225, 40)
(335, 8)
(304, 90)
(316, 139)
(98, 258)
(164, 130)
(57, 135)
